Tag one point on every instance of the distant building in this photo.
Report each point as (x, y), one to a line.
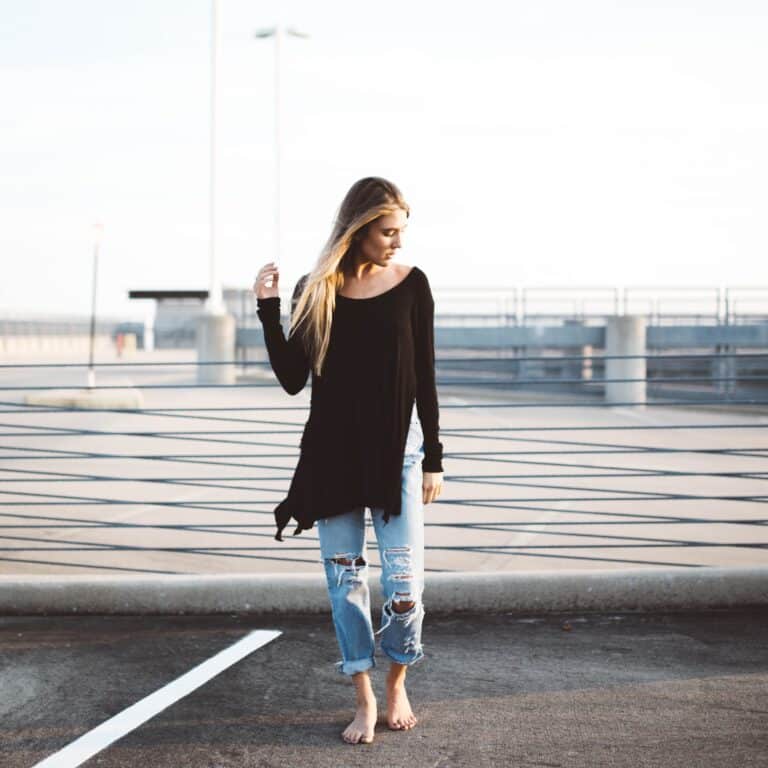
(176, 313)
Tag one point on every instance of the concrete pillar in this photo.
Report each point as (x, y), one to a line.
(149, 334)
(625, 335)
(724, 367)
(586, 364)
(577, 369)
(216, 342)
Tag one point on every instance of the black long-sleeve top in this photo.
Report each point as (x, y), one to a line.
(380, 359)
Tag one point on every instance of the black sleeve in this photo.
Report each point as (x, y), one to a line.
(426, 389)
(288, 357)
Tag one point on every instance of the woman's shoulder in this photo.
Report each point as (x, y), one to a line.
(411, 272)
(418, 278)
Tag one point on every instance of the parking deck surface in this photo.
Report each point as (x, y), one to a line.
(184, 487)
(493, 690)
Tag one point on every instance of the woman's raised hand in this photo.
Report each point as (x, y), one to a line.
(271, 272)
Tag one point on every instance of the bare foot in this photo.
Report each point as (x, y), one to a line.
(400, 716)
(360, 730)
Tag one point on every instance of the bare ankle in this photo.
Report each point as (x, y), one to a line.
(396, 676)
(366, 700)
(363, 689)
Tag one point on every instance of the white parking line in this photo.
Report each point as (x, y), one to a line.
(116, 727)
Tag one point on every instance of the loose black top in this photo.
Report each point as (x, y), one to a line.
(380, 359)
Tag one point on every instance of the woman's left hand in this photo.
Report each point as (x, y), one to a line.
(431, 487)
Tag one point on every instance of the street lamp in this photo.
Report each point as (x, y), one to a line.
(215, 304)
(278, 32)
(215, 338)
(98, 231)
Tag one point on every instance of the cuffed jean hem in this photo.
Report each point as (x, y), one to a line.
(402, 658)
(353, 667)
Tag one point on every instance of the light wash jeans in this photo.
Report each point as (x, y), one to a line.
(401, 550)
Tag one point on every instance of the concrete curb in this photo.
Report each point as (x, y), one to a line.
(687, 589)
(124, 398)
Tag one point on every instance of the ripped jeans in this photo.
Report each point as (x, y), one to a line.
(401, 550)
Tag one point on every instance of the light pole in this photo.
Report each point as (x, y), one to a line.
(215, 304)
(215, 338)
(98, 230)
(278, 32)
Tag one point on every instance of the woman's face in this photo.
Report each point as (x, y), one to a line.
(382, 238)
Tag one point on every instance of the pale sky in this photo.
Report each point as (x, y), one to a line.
(538, 143)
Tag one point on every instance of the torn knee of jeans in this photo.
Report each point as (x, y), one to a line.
(406, 616)
(401, 602)
(348, 558)
(347, 562)
(397, 557)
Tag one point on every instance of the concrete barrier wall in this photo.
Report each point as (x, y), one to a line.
(688, 589)
(749, 336)
(35, 345)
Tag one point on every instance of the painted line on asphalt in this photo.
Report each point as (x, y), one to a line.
(116, 727)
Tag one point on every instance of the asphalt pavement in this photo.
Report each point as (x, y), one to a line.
(493, 690)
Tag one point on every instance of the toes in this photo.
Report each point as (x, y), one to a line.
(403, 724)
(357, 737)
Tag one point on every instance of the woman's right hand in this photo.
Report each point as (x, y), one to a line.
(271, 272)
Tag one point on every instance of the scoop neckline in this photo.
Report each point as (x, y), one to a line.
(383, 293)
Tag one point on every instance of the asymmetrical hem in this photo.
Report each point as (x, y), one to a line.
(380, 360)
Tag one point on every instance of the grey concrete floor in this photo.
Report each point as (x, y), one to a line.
(493, 690)
(525, 488)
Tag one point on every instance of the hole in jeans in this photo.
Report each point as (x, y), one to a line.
(347, 562)
(401, 602)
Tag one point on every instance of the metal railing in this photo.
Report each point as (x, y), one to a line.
(458, 307)
(588, 305)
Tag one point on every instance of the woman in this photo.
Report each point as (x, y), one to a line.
(363, 325)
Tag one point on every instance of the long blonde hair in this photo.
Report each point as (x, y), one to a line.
(314, 299)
